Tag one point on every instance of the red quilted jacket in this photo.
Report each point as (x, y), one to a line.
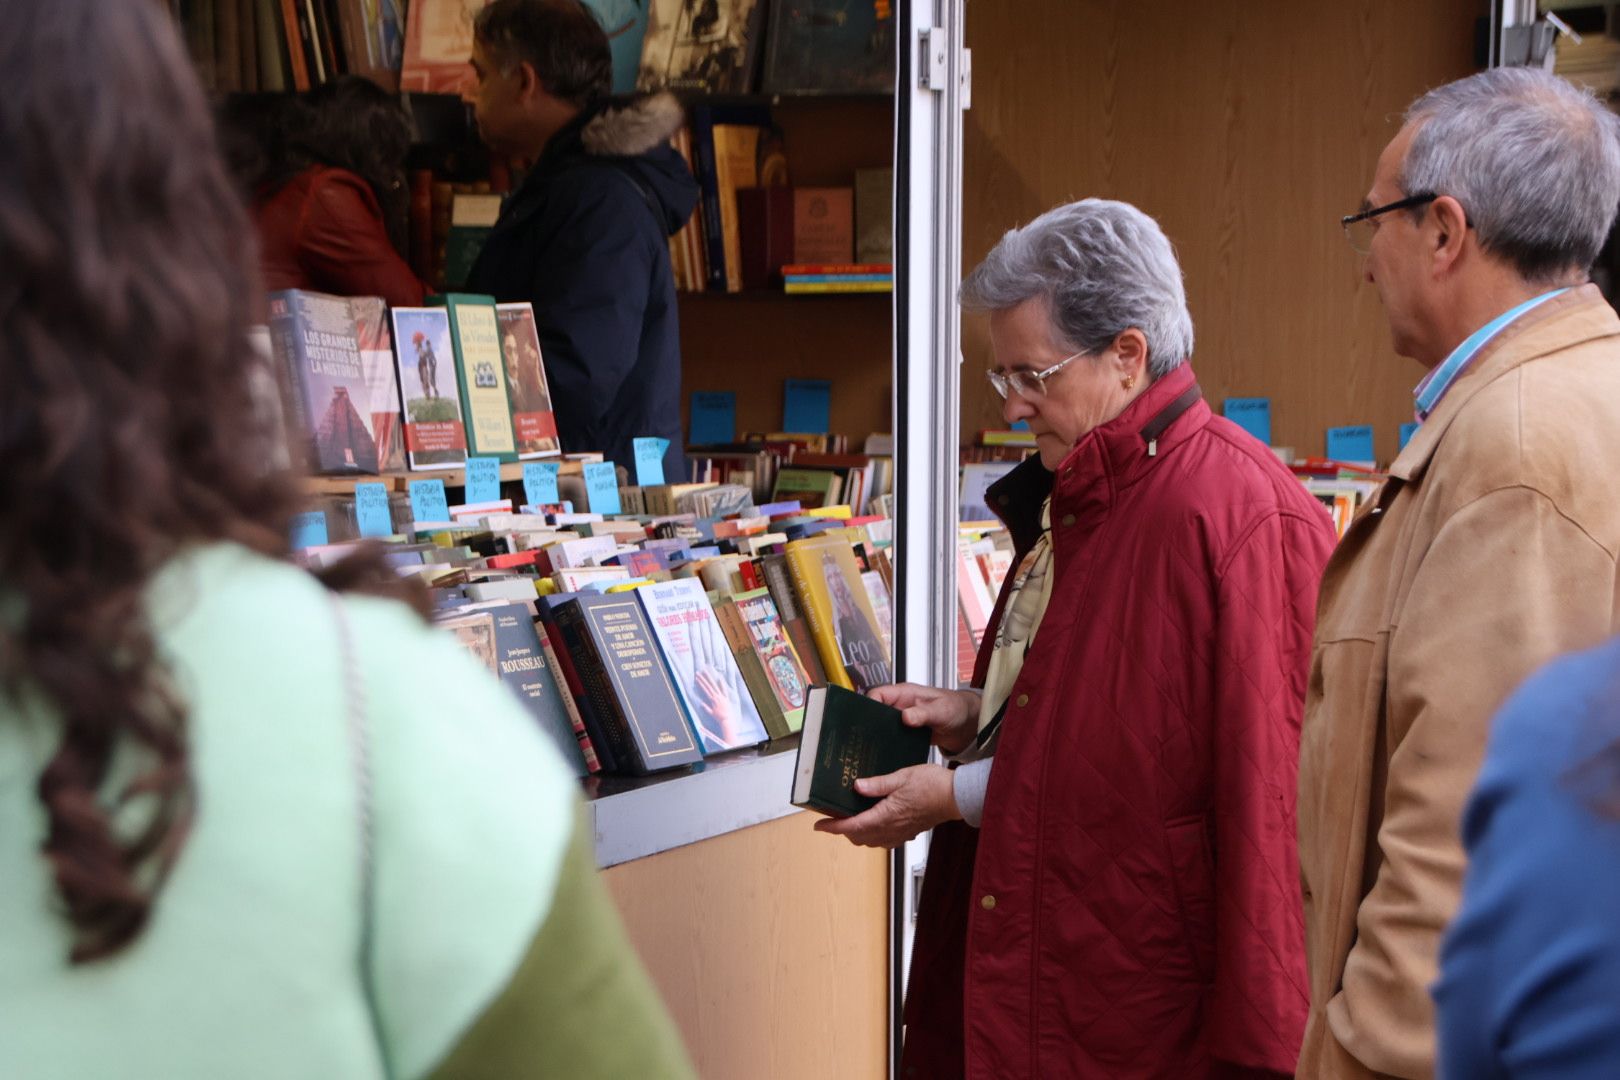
(1134, 908)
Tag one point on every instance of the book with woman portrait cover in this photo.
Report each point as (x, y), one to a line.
(534, 425)
(827, 579)
(435, 436)
(848, 736)
(700, 660)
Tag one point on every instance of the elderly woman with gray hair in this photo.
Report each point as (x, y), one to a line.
(1120, 898)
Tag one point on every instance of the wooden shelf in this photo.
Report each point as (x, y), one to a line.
(777, 294)
(511, 472)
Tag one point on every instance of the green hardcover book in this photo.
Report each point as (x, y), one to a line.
(481, 374)
(811, 487)
(848, 736)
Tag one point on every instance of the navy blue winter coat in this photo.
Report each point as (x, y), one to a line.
(586, 240)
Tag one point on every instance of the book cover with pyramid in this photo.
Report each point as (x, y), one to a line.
(313, 336)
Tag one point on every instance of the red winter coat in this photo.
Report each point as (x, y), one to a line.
(1134, 907)
(324, 230)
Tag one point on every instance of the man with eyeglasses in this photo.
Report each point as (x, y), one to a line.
(1492, 546)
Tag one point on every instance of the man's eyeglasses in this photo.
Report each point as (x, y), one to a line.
(1030, 385)
(1360, 227)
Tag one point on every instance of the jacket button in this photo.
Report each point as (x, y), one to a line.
(1068, 519)
(987, 902)
(1023, 699)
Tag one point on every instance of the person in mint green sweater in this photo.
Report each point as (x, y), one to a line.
(251, 825)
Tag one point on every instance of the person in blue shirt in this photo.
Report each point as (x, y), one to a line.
(1530, 969)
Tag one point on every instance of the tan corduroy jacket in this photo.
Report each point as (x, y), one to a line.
(1492, 548)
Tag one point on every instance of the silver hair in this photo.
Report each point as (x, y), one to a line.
(1104, 267)
(1533, 159)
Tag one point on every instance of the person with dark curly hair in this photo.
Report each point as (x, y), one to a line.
(332, 205)
(252, 824)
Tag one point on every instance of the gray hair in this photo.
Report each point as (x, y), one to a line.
(1533, 159)
(1103, 267)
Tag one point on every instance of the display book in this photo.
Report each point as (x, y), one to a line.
(378, 391)
(647, 642)
(848, 736)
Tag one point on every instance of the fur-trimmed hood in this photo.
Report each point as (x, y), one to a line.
(631, 126)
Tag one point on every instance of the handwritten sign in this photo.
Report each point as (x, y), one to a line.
(428, 503)
(1252, 414)
(1353, 444)
(602, 487)
(540, 483)
(371, 510)
(483, 479)
(806, 405)
(714, 417)
(650, 461)
(308, 530)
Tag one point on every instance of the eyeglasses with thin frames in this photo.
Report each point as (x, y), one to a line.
(1360, 227)
(1030, 385)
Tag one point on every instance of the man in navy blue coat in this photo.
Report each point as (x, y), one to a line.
(585, 237)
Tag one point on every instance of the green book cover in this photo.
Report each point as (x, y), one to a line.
(481, 374)
(848, 736)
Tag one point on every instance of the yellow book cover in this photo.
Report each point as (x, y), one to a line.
(736, 153)
(841, 512)
(840, 614)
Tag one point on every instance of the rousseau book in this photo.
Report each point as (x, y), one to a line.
(848, 736)
(521, 663)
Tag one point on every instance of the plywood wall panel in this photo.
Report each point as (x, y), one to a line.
(1246, 129)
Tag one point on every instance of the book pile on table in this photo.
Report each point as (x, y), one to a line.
(647, 641)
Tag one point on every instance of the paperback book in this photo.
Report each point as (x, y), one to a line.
(704, 669)
(313, 336)
(534, 425)
(435, 437)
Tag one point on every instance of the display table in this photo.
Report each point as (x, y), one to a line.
(768, 940)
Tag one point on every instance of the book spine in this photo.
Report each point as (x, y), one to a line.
(576, 690)
(739, 638)
(287, 344)
(292, 34)
(577, 722)
(714, 240)
(605, 704)
(819, 618)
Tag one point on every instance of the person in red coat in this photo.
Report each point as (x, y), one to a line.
(332, 204)
(1121, 898)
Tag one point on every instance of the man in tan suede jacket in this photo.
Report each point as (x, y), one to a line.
(1492, 547)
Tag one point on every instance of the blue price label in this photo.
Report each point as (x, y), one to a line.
(1251, 414)
(371, 510)
(540, 483)
(428, 504)
(1407, 431)
(1352, 443)
(602, 487)
(483, 479)
(650, 461)
(308, 530)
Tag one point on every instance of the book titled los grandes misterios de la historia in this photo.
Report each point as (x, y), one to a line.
(313, 335)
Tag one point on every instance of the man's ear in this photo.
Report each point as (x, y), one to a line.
(528, 81)
(1450, 231)
(1131, 354)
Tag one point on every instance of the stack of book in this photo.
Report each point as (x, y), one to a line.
(644, 642)
(810, 279)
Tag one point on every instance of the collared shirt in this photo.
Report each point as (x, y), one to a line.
(1437, 382)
